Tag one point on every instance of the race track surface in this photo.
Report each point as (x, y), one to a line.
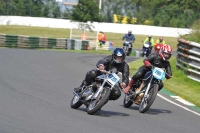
(36, 90)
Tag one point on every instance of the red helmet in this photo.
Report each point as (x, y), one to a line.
(165, 52)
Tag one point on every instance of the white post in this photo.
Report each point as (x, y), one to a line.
(100, 4)
(71, 33)
(97, 41)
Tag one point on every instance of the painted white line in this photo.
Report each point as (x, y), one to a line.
(178, 104)
(182, 100)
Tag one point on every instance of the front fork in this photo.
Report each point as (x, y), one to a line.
(99, 90)
(148, 87)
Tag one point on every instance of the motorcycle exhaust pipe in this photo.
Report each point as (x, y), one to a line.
(76, 94)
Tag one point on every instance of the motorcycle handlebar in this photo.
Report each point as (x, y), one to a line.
(108, 72)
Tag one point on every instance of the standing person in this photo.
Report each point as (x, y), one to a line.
(156, 59)
(101, 38)
(114, 61)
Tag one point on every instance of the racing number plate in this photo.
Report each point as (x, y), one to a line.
(158, 73)
(113, 78)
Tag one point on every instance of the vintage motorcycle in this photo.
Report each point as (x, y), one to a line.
(127, 47)
(146, 49)
(144, 92)
(96, 95)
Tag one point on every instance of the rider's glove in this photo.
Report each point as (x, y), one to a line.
(123, 85)
(147, 63)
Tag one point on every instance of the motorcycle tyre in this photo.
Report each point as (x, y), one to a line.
(142, 54)
(128, 104)
(77, 104)
(103, 101)
(150, 101)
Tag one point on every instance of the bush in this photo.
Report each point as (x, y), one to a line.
(195, 35)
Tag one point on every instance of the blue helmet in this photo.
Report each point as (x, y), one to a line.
(118, 52)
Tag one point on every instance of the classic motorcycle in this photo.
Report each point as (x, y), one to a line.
(146, 49)
(127, 47)
(96, 95)
(144, 92)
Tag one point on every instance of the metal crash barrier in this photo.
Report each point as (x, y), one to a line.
(188, 58)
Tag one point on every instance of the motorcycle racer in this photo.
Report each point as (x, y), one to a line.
(156, 59)
(116, 61)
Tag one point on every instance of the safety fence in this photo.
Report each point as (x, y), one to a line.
(32, 42)
(188, 58)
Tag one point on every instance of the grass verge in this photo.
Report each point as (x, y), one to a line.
(65, 33)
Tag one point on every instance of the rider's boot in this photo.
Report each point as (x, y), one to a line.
(78, 89)
(130, 85)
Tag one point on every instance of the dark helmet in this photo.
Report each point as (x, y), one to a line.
(117, 53)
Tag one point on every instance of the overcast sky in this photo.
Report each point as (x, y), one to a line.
(68, 0)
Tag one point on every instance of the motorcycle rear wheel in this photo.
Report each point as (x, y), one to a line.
(146, 103)
(127, 102)
(99, 102)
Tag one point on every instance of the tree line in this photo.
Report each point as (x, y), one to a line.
(166, 13)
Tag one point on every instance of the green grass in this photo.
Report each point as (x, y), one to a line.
(179, 84)
(105, 52)
(65, 33)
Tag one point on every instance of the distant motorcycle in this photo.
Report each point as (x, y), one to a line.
(127, 47)
(146, 49)
(97, 94)
(144, 92)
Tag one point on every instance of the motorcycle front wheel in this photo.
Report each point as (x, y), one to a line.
(96, 104)
(147, 101)
(75, 102)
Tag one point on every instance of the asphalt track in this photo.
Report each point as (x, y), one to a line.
(36, 90)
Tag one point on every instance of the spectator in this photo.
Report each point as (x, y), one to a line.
(101, 38)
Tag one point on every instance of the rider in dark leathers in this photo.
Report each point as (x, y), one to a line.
(156, 59)
(108, 63)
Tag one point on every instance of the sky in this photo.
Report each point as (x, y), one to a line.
(67, 0)
(62, 6)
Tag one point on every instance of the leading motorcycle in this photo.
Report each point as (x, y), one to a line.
(127, 47)
(96, 95)
(144, 92)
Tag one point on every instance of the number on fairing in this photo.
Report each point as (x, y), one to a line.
(113, 78)
(158, 73)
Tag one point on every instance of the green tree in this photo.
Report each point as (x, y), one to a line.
(86, 10)
(129, 18)
(37, 8)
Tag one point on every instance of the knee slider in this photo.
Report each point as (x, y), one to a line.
(91, 74)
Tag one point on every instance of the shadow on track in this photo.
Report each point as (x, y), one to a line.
(105, 113)
(151, 111)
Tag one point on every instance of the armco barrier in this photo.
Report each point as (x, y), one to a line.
(31, 42)
(11, 41)
(188, 58)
